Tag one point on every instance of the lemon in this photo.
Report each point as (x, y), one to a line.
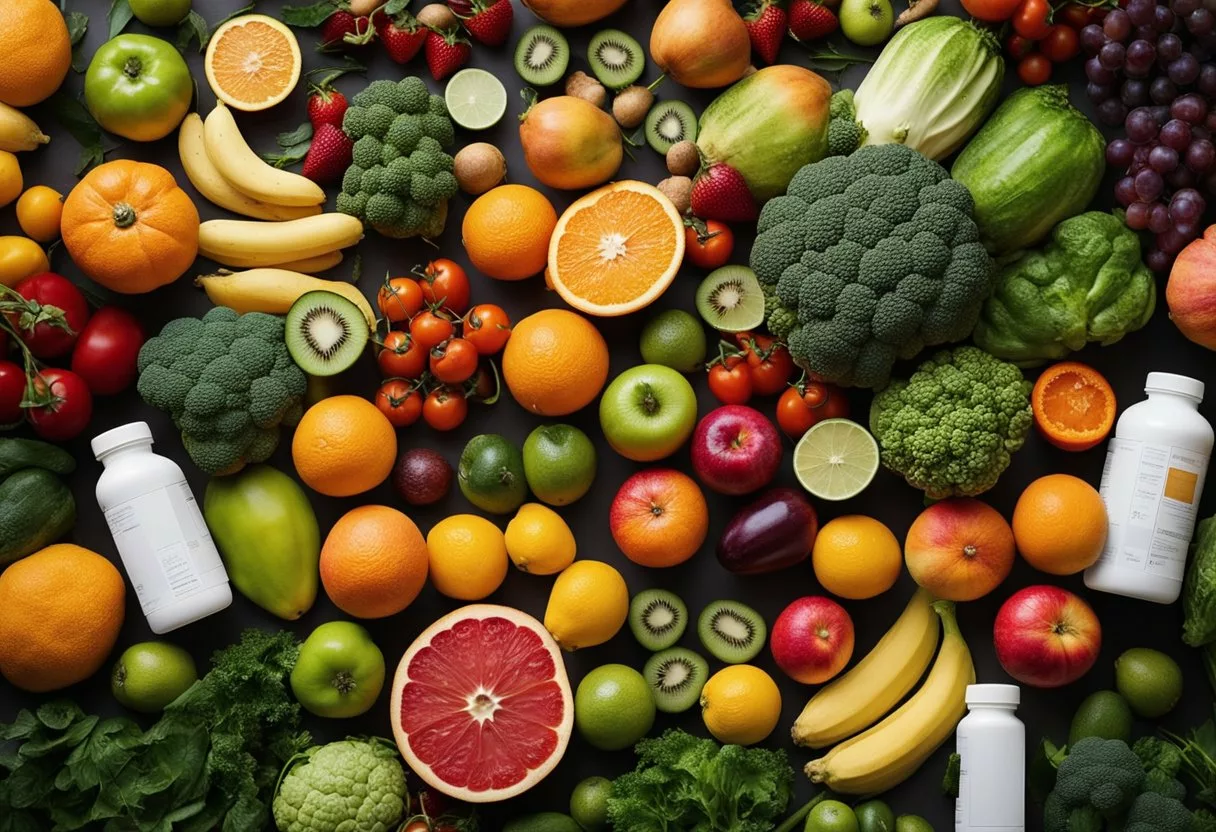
(587, 605)
(539, 541)
(856, 557)
(468, 557)
(740, 704)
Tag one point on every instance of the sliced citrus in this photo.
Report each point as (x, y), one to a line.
(1074, 406)
(617, 249)
(252, 62)
(476, 99)
(836, 459)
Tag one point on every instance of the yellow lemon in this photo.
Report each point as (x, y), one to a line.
(587, 605)
(468, 557)
(740, 704)
(539, 541)
(11, 181)
(856, 557)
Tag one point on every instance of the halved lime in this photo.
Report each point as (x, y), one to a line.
(836, 459)
(475, 98)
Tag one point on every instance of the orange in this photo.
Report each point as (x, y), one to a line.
(506, 232)
(343, 446)
(37, 52)
(856, 557)
(374, 562)
(60, 612)
(659, 517)
(252, 62)
(617, 249)
(1074, 406)
(1059, 524)
(468, 557)
(555, 363)
(39, 210)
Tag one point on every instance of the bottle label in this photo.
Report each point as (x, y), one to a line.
(165, 546)
(991, 780)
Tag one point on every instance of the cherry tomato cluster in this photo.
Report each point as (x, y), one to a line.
(1044, 35)
(435, 355)
(434, 814)
(807, 401)
(707, 243)
(755, 364)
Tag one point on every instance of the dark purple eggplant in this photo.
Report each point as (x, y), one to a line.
(774, 532)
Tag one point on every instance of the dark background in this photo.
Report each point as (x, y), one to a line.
(1127, 623)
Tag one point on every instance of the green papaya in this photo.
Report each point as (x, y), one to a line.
(17, 453)
(36, 509)
(267, 533)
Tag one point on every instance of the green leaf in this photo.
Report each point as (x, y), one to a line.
(395, 7)
(58, 715)
(308, 17)
(73, 117)
(78, 27)
(193, 28)
(293, 138)
(119, 16)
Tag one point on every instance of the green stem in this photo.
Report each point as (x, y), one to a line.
(795, 820)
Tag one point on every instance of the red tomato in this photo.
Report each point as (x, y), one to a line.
(711, 249)
(1061, 43)
(444, 282)
(993, 11)
(803, 405)
(417, 826)
(400, 402)
(445, 408)
(401, 356)
(107, 351)
(1074, 14)
(484, 386)
(1018, 47)
(65, 405)
(1034, 69)
(488, 327)
(12, 393)
(770, 365)
(430, 329)
(54, 295)
(730, 380)
(454, 361)
(1033, 20)
(399, 299)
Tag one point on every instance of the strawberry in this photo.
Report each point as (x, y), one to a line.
(766, 24)
(811, 21)
(342, 29)
(446, 52)
(329, 155)
(402, 36)
(325, 106)
(462, 8)
(720, 193)
(490, 21)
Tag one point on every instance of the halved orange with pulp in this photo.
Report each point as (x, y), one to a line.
(1074, 406)
(253, 62)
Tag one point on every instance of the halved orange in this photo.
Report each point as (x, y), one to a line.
(617, 249)
(252, 62)
(1074, 406)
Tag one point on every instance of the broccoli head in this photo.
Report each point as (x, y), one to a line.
(871, 257)
(1153, 812)
(1097, 782)
(228, 382)
(845, 132)
(950, 429)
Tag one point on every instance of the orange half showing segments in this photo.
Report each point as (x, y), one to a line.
(617, 249)
(1074, 406)
(252, 62)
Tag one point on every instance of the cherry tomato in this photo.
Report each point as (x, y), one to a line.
(730, 380)
(430, 329)
(53, 337)
(485, 385)
(400, 402)
(444, 282)
(992, 11)
(769, 363)
(454, 361)
(399, 299)
(803, 405)
(417, 826)
(488, 327)
(402, 356)
(1074, 14)
(1061, 43)
(1018, 47)
(1032, 20)
(12, 393)
(107, 351)
(66, 405)
(1034, 69)
(445, 408)
(709, 249)
(431, 803)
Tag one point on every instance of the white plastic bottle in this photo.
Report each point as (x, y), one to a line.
(1151, 484)
(160, 533)
(991, 742)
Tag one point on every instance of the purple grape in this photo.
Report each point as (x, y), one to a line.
(1111, 56)
(1176, 134)
(1181, 177)
(1163, 18)
(1187, 205)
(1182, 71)
(1158, 218)
(1149, 185)
(1140, 12)
(1169, 47)
(1099, 92)
(1148, 33)
(1134, 93)
(1160, 113)
(1171, 242)
(1140, 58)
(1190, 230)
(1137, 216)
(1184, 7)
(1158, 261)
(1097, 73)
(1207, 80)
(1201, 155)
(1119, 153)
(1125, 191)
(1200, 22)
(1092, 38)
(1190, 108)
(1163, 159)
(1141, 127)
(1117, 25)
(1112, 112)
(1162, 90)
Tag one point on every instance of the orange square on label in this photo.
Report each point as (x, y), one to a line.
(1180, 485)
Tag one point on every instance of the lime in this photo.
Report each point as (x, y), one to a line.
(160, 12)
(874, 816)
(674, 339)
(1102, 714)
(150, 675)
(589, 803)
(836, 459)
(491, 474)
(1149, 680)
(912, 823)
(613, 707)
(476, 99)
(559, 463)
(831, 816)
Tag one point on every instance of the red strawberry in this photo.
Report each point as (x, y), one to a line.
(490, 21)
(343, 29)
(766, 25)
(811, 21)
(463, 8)
(720, 193)
(446, 52)
(402, 36)
(328, 156)
(325, 106)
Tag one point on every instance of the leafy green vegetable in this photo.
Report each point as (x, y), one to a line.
(1199, 588)
(950, 778)
(1198, 763)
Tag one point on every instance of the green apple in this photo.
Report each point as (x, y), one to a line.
(867, 22)
(648, 412)
(340, 671)
(160, 12)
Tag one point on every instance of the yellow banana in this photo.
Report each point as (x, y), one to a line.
(206, 179)
(888, 753)
(18, 131)
(312, 265)
(275, 290)
(247, 172)
(877, 683)
(250, 243)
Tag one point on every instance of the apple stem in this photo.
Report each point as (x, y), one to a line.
(344, 682)
(970, 551)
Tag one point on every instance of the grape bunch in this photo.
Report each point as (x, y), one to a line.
(1150, 69)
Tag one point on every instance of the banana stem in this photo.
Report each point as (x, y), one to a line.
(795, 820)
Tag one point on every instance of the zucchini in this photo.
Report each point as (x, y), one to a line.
(36, 509)
(16, 454)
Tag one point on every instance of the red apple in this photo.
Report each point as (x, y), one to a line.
(1046, 636)
(959, 549)
(735, 449)
(812, 639)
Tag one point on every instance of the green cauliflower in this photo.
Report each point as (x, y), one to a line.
(1096, 783)
(845, 133)
(950, 429)
(228, 382)
(400, 178)
(868, 259)
(347, 785)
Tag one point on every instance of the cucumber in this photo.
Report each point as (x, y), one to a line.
(16, 454)
(36, 509)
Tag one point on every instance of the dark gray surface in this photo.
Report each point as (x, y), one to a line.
(1126, 623)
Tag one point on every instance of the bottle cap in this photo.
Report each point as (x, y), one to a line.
(111, 440)
(1173, 383)
(993, 695)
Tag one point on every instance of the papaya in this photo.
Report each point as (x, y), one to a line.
(36, 509)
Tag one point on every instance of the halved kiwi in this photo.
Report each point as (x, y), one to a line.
(730, 299)
(542, 55)
(325, 333)
(616, 58)
(657, 618)
(670, 122)
(731, 631)
(676, 677)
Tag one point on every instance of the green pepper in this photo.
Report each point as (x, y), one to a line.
(138, 87)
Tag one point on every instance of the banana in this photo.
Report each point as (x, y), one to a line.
(877, 683)
(275, 290)
(250, 243)
(18, 131)
(247, 172)
(312, 265)
(192, 149)
(888, 753)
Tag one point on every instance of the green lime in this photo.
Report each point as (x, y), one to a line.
(912, 823)
(476, 99)
(1149, 680)
(160, 12)
(831, 816)
(836, 459)
(1102, 714)
(491, 474)
(150, 675)
(559, 463)
(874, 816)
(542, 822)
(674, 339)
(613, 707)
(589, 803)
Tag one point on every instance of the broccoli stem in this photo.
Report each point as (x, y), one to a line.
(795, 820)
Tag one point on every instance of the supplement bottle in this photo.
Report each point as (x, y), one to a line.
(991, 744)
(160, 533)
(1151, 484)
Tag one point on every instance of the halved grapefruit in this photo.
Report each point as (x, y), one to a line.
(481, 704)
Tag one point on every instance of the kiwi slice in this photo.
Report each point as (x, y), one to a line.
(670, 122)
(676, 677)
(325, 333)
(616, 58)
(730, 299)
(657, 618)
(731, 631)
(542, 55)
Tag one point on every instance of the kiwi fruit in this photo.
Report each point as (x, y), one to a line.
(616, 58)
(730, 299)
(542, 55)
(657, 618)
(325, 333)
(676, 677)
(731, 632)
(670, 122)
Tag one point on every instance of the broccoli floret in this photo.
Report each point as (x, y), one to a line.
(845, 133)
(950, 429)
(1152, 812)
(1095, 783)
